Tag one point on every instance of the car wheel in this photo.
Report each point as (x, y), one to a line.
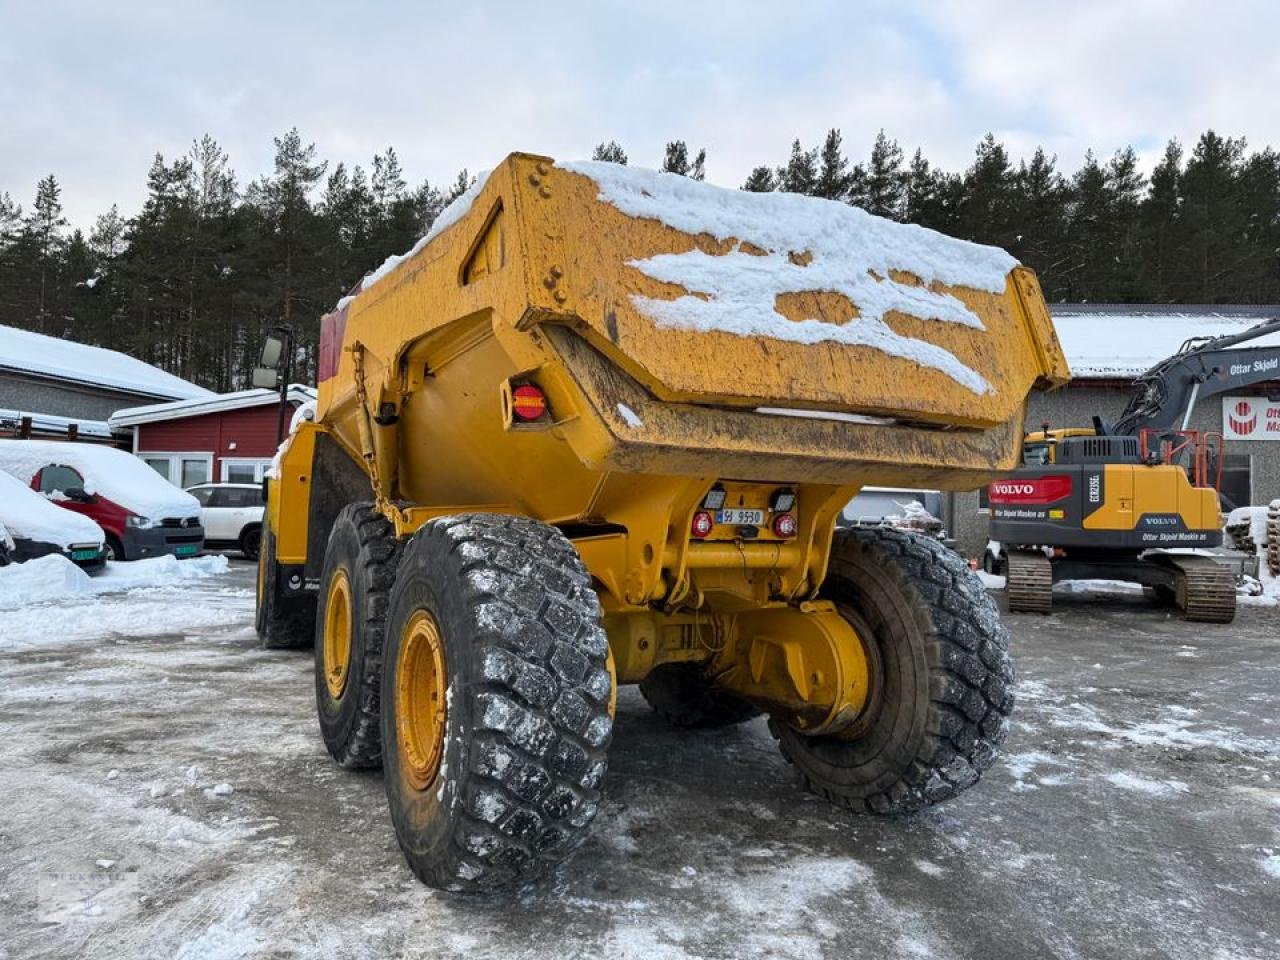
(113, 549)
(251, 542)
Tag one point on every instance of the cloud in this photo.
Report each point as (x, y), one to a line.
(90, 93)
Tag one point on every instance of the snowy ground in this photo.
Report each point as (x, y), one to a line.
(165, 794)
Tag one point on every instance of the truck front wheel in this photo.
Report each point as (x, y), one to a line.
(941, 677)
(283, 622)
(495, 706)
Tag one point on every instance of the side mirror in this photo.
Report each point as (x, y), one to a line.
(272, 347)
(266, 377)
(78, 495)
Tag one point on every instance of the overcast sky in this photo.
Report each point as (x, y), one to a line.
(90, 91)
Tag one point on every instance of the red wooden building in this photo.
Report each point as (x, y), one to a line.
(230, 437)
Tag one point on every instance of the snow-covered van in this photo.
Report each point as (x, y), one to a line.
(35, 527)
(141, 513)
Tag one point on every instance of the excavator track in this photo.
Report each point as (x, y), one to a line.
(1029, 582)
(1205, 590)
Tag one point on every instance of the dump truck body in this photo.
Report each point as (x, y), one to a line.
(687, 384)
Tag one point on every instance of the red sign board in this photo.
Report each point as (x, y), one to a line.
(1250, 418)
(1036, 490)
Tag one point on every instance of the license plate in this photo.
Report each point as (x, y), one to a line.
(84, 554)
(740, 516)
(187, 550)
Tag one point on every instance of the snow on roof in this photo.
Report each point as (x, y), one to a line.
(46, 423)
(29, 516)
(213, 403)
(1121, 341)
(114, 474)
(29, 352)
(844, 249)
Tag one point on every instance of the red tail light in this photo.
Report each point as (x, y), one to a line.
(784, 525)
(528, 402)
(702, 524)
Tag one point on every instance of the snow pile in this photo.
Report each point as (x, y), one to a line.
(65, 359)
(108, 472)
(29, 516)
(788, 243)
(55, 578)
(1246, 527)
(450, 215)
(915, 517)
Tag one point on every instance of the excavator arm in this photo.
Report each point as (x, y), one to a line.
(1165, 395)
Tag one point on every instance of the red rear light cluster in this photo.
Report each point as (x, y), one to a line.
(702, 523)
(784, 525)
(528, 402)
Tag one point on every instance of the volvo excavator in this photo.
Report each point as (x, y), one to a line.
(1124, 501)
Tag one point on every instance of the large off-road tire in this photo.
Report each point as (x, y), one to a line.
(282, 622)
(681, 695)
(355, 584)
(941, 677)
(495, 708)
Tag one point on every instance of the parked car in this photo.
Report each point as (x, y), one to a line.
(31, 526)
(141, 513)
(232, 515)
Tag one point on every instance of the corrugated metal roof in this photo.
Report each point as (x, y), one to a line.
(1105, 341)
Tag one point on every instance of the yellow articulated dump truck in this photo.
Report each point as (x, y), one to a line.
(595, 429)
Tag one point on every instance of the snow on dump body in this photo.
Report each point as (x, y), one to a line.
(852, 251)
(447, 217)
(114, 474)
(29, 516)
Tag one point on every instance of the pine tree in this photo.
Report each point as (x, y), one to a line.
(1159, 247)
(832, 181)
(884, 179)
(1040, 214)
(986, 209)
(610, 152)
(698, 170)
(1125, 188)
(800, 175)
(676, 159)
(761, 180)
(43, 229)
(1213, 221)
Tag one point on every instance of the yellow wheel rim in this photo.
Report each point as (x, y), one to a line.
(421, 709)
(337, 634)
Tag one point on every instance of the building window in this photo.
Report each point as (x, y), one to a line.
(1237, 479)
(181, 469)
(244, 471)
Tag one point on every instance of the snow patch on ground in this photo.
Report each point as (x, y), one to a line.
(1271, 865)
(791, 244)
(55, 578)
(1155, 788)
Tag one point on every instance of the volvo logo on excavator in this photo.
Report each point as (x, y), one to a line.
(1037, 490)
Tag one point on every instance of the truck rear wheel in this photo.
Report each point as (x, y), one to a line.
(359, 569)
(282, 622)
(681, 695)
(495, 714)
(941, 677)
